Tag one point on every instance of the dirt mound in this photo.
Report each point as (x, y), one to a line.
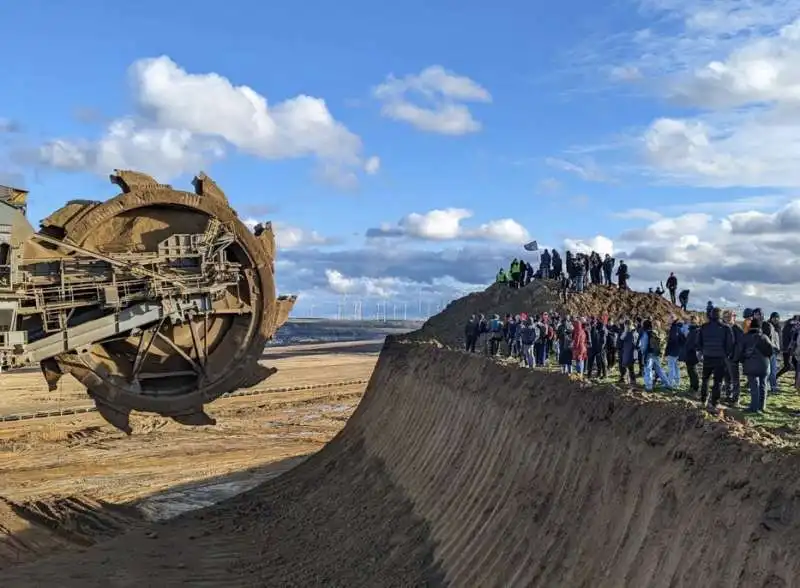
(457, 471)
(622, 303)
(543, 296)
(447, 327)
(32, 529)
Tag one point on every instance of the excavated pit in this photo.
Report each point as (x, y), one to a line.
(457, 471)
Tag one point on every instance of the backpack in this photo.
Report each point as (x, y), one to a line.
(527, 335)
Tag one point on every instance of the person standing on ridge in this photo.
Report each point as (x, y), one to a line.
(672, 286)
(622, 275)
(544, 264)
(689, 355)
(676, 340)
(627, 344)
(650, 346)
(733, 384)
(557, 265)
(787, 335)
(683, 298)
(608, 269)
(471, 333)
(579, 347)
(773, 331)
(580, 273)
(755, 351)
(501, 278)
(715, 343)
(514, 272)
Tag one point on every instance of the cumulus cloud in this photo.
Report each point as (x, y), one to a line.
(289, 236)
(598, 243)
(737, 259)
(746, 258)
(432, 100)
(185, 119)
(401, 273)
(445, 225)
(736, 66)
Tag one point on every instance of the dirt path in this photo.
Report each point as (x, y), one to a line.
(78, 467)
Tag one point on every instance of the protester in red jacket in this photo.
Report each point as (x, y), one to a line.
(579, 350)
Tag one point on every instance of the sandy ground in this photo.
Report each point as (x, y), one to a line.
(177, 467)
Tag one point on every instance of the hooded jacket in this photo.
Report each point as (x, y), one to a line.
(579, 342)
(675, 339)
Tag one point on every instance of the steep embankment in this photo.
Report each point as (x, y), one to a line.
(455, 470)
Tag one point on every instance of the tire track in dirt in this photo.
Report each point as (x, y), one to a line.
(239, 393)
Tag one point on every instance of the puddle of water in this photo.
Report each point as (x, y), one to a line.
(171, 504)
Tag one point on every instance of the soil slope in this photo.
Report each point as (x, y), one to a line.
(457, 471)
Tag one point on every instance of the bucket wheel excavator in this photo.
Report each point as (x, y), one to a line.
(157, 300)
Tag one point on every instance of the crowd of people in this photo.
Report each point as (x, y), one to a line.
(594, 347)
(581, 271)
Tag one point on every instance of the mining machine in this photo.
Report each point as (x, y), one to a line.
(157, 300)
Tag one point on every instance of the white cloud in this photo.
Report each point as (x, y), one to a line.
(742, 258)
(436, 224)
(587, 170)
(638, 214)
(165, 152)
(736, 64)
(372, 165)
(188, 118)
(598, 243)
(362, 286)
(289, 236)
(442, 95)
(446, 225)
(739, 259)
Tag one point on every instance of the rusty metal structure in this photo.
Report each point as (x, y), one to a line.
(157, 300)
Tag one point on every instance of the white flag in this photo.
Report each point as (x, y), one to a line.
(532, 246)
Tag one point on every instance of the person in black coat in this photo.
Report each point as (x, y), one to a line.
(683, 298)
(715, 343)
(754, 352)
(472, 331)
(733, 376)
(627, 343)
(688, 355)
(597, 352)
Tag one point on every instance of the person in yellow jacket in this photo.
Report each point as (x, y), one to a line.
(502, 278)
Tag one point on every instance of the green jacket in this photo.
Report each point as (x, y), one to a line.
(501, 277)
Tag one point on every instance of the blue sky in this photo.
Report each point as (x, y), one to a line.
(580, 121)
